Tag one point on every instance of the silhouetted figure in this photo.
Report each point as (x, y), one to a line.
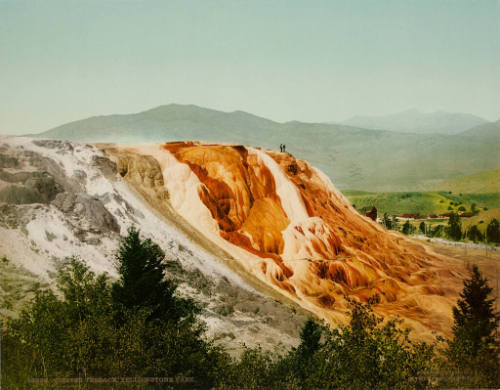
(281, 148)
(284, 148)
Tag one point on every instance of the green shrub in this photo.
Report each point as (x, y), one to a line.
(493, 231)
(408, 228)
(474, 234)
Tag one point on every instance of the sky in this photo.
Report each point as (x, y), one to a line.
(284, 60)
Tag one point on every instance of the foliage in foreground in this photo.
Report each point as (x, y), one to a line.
(139, 327)
(94, 329)
(474, 350)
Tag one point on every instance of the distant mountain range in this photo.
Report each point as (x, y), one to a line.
(354, 157)
(415, 121)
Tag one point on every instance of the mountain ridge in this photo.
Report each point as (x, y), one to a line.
(416, 121)
(356, 158)
(489, 131)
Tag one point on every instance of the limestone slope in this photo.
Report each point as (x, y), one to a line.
(61, 199)
(285, 224)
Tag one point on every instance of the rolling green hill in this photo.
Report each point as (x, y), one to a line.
(373, 160)
(482, 219)
(423, 203)
(483, 182)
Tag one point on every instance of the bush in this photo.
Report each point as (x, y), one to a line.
(493, 231)
(65, 337)
(437, 231)
(474, 234)
(88, 329)
(408, 228)
(369, 354)
(387, 222)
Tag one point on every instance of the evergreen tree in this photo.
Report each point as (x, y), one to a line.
(493, 231)
(408, 228)
(142, 282)
(454, 230)
(422, 227)
(310, 336)
(474, 346)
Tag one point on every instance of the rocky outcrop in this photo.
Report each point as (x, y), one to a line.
(99, 195)
(263, 219)
(284, 222)
(28, 177)
(142, 171)
(86, 213)
(19, 186)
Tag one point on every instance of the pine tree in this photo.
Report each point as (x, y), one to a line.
(142, 282)
(310, 336)
(422, 227)
(474, 346)
(454, 227)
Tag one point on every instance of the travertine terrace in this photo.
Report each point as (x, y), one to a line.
(285, 223)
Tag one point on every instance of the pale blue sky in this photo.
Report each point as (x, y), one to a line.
(304, 60)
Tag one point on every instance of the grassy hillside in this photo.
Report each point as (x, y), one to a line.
(355, 158)
(423, 203)
(482, 219)
(483, 182)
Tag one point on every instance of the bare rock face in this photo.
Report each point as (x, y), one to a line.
(87, 214)
(20, 186)
(28, 177)
(105, 165)
(285, 223)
